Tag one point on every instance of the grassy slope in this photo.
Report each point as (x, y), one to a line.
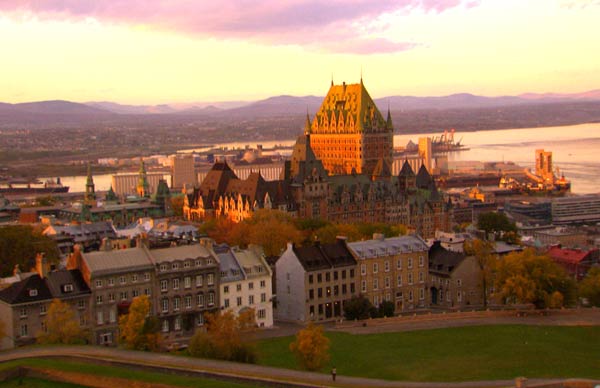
(36, 383)
(88, 368)
(457, 354)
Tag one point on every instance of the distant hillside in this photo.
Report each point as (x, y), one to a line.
(131, 109)
(49, 113)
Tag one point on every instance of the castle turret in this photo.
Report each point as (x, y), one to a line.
(90, 188)
(143, 187)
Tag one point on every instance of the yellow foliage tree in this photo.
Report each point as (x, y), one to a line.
(483, 252)
(137, 329)
(62, 325)
(311, 347)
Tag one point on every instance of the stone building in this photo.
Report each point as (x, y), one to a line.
(314, 282)
(25, 303)
(455, 279)
(393, 269)
(187, 286)
(245, 282)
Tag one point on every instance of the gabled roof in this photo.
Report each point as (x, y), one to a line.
(571, 256)
(322, 256)
(406, 170)
(57, 280)
(443, 261)
(20, 292)
(423, 178)
(116, 261)
(181, 252)
(217, 178)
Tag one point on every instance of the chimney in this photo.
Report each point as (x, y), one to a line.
(206, 242)
(74, 260)
(341, 238)
(106, 245)
(379, 236)
(16, 270)
(41, 264)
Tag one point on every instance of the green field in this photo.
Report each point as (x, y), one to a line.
(112, 371)
(457, 354)
(36, 383)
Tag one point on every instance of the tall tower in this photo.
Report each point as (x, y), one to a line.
(90, 189)
(182, 171)
(543, 165)
(143, 188)
(426, 152)
(349, 133)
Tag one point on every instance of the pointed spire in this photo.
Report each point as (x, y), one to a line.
(389, 118)
(332, 78)
(143, 187)
(90, 179)
(307, 124)
(361, 73)
(90, 189)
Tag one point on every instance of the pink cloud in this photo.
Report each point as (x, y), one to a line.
(300, 22)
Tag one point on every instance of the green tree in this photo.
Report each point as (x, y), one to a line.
(177, 205)
(311, 347)
(62, 325)
(226, 337)
(138, 330)
(386, 309)
(483, 252)
(358, 307)
(526, 277)
(499, 225)
(589, 287)
(19, 244)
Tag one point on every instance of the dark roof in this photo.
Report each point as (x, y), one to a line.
(406, 170)
(322, 256)
(20, 292)
(423, 178)
(57, 280)
(443, 261)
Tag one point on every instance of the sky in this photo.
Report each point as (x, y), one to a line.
(178, 51)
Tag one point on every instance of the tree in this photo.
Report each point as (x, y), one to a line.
(139, 331)
(62, 325)
(526, 277)
(225, 337)
(177, 205)
(482, 250)
(589, 287)
(311, 347)
(358, 307)
(499, 225)
(386, 309)
(273, 229)
(19, 244)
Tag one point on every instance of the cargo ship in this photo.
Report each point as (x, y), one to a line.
(28, 187)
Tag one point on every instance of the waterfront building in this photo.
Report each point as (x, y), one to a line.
(394, 269)
(125, 184)
(245, 282)
(581, 209)
(315, 281)
(25, 303)
(183, 172)
(348, 133)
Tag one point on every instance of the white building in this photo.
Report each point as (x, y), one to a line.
(246, 282)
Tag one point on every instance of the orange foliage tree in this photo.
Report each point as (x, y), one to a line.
(138, 330)
(311, 347)
(62, 325)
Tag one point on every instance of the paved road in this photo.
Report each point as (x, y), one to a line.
(222, 369)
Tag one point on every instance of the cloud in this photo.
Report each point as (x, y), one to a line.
(580, 4)
(295, 22)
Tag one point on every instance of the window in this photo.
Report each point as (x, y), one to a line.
(410, 278)
(311, 294)
(320, 292)
(327, 277)
(44, 327)
(422, 294)
(163, 267)
(310, 279)
(250, 299)
(147, 276)
(421, 277)
(319, 278)
(112, 316)
(33, 292)
(98, 283)
(238, 287)
(165, 326)
(343, 274)
(399, 264)
(352, 288)
(239, 301)
(262, 314)
(376, 300)
(263, 297)
(226, 290)
(458, 282)
(165, 305)
(123, 295)
(388, 297)
(226, 303)
(188, 301)
(210, 279)
(459, 296)
(410, 262)
(209, 261)
(200, 300)
(211, 298)
(68, 288)
(363, 286)
(387, 282)
(199, 279)
(410, 295)
(23, 312)
(147, 291)
(186, 264)
(176, 284)
(24, 332)
(164, 285)
(98, 299)
(176, 303)
(111, 282)
(263, 284)
(122, 279)
(134, 278)
(351, 273)
(111, 297)
(81, 304)
(251, 286)
(375, 284)
(399, 280)
(335, 275)
(175, 266)
(177, 323)
(99, 318)
(200, 320)
(187, 282)
(387, 266)
(198, 263)
(363, 269)
(135, 293)
(421, 261)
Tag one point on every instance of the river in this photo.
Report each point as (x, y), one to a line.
(575, 148)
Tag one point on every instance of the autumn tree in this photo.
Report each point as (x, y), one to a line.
(526, 277)
(358, 307)
(138, 330)
(499, 225)
(589, 287)
(62, 325)
(483, 253)
(311, 347)
(226, 337)
(272, 229)
(19, 244)
(177, 205)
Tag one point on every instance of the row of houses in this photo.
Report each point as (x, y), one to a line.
(182, 282)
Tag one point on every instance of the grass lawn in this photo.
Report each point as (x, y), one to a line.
(36, 383)
(457, 354)
(111, 371)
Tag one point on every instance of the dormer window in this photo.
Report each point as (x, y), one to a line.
(33, 292)
(175, 266)
(67, 288)
(163, 267)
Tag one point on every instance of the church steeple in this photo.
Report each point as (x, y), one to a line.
(90, 188)
(143, 187)
(307, 124)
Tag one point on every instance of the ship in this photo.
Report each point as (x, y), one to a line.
(15, 186)
(445, 143)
